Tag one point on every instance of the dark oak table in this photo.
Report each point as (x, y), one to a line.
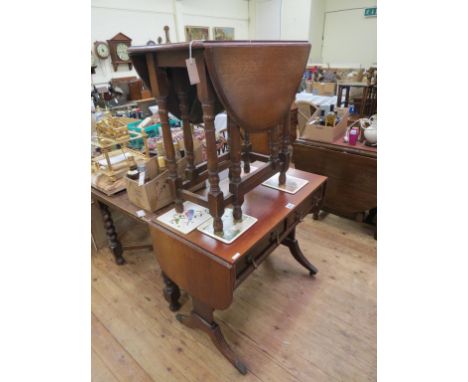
(351, 172)
(210, 270)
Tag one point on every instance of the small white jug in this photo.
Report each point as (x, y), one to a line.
(370, 128)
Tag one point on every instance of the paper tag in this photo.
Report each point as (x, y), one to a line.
(194, 78)
(290, 206)
(141, 178)
(140, 213)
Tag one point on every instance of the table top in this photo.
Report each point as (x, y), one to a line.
(200, 44)
(266, 204)
(359, 145)
(338, 144)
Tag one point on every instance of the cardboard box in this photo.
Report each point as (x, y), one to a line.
(315, 132)
(324, 88)
(151, 196)
(155, 193)
(305, 110)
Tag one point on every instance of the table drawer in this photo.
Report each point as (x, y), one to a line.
(299, 213)
(253, 257)
(268, 243)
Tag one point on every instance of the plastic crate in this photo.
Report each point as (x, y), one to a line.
(151, 131)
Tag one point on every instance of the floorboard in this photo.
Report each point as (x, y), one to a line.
(284, 324)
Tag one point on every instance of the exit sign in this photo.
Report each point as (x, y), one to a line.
(370, 12)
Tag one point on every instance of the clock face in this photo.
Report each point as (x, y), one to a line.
(102, 50)
(122, 52)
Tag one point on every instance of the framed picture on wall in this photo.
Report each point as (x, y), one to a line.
(196, 33)
(223, 33)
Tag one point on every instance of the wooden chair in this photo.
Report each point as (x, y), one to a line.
(254, 81)
(370, 101)
(367, 105)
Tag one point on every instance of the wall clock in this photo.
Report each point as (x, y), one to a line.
(93, 63)
(101, 49)
(93, 59)
(118, 47)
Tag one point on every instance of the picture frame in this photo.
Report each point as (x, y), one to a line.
(196, 33)
(223, 33)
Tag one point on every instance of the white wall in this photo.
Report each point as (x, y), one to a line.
(349, 38)
(216, 13)
(295, 19)
(339, 33)
(317, 17)
(345, 27)
(265, 16)
(337, 5)
(279, 19)
(142, 20)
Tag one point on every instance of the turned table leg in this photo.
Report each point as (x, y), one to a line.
(201, 318)
(114, 243)
(171, 293)
(372, 219)
(246, 149)
(215, 195)
(174, 178)
(375, 231)
(235, 168)
(285, 155)
(291, 242)
(207, 96)
(182, 89)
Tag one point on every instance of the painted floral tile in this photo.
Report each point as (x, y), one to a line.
(187, 221)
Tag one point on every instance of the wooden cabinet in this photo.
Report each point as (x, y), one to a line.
(351, 172)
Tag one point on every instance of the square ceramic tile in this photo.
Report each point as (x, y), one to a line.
(291, 186)
(231, 229)
(187, 221)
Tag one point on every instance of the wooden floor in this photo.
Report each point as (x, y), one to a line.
(284, 324)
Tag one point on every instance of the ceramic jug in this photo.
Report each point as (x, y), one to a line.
(370, 129)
